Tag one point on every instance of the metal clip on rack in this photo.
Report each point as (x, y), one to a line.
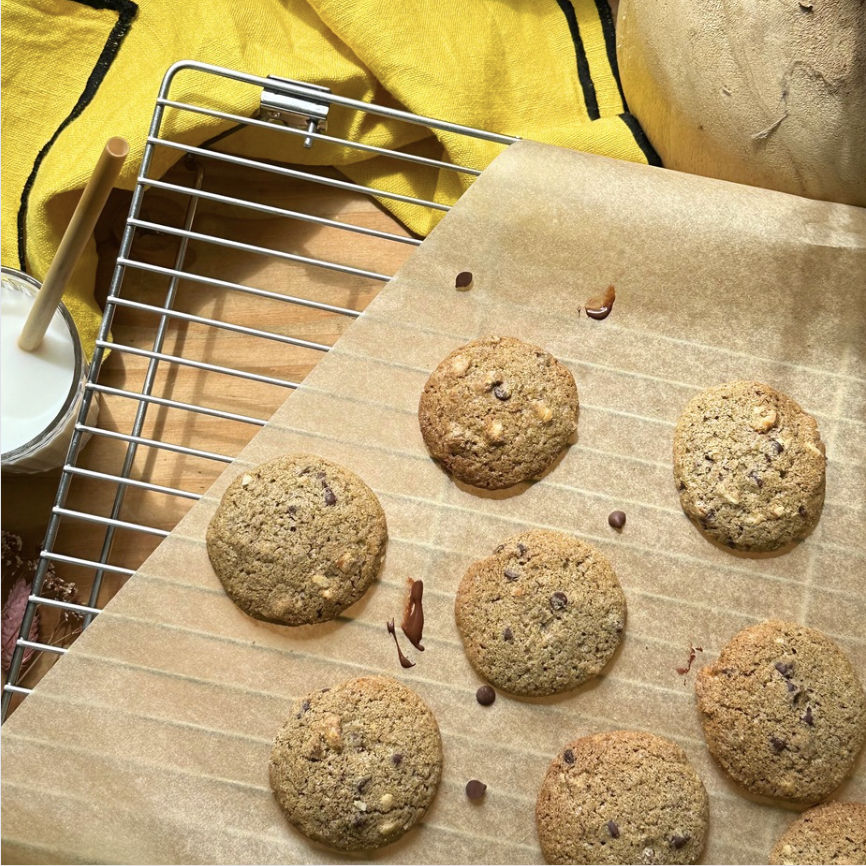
(292, 108)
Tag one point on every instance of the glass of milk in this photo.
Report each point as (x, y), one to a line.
(40, 391)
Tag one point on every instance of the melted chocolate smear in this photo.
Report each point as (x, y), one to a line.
(404, 662)
(692, 650)
(599, 306)
(413, 616)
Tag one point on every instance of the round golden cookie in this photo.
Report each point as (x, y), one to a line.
(541, 615)
(356, 766)
(498, 411)
(622, 797)
(830, 833)
(749, 465)
(297, 540)
(783, 711)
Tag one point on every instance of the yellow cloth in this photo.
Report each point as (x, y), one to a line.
(76, 72)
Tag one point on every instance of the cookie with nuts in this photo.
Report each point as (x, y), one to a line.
(783, 711)
(749, 465)
(622, 797)
(356, 766)
(541, 615)
(498, 411)
(829, 833)
(297, 540)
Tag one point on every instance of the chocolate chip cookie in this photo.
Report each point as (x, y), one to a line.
(749, 465)
(829, 833)
(783, 711)
(541, 615)
(356, 766)
(622, 797)
(498, 411)
(297, 540)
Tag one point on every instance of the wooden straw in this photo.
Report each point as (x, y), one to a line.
(75, 237)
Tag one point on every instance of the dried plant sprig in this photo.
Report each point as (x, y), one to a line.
(12, 617)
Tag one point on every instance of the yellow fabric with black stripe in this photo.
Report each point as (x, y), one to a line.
(76, 72)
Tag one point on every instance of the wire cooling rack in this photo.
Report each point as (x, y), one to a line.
(138, 284)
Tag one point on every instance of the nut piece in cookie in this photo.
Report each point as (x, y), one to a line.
(356, 766)
(783, 711)
(830, 833)
(541, 615)
(622, 797)
(498, 411)
(297, 540)
(749, 465)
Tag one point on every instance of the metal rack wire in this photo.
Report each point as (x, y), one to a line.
(293, 109)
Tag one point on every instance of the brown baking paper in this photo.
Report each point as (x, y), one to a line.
(149, 741)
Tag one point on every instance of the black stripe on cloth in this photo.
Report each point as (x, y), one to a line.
(126, 12)
(641, 140)
(609, 32)
(583, 76)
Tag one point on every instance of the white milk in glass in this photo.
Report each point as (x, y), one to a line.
(40, 391)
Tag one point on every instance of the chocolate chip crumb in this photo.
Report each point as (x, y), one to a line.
(558, 601)
(508, 634)
(778, 745)
(568, 756)
(511, 574)
(361, 784)
(808, 718)
(396, 759)
(464, 280)
(330, 498)
(777, 446)
(475, 790)
(485, 696)
(757, 479)
(616, 519)
(677, 842)
(500, 392)
(613, 829)
(784, 669)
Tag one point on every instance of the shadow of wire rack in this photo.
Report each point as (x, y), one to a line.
(157, 289)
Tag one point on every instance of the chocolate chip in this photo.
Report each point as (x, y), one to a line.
(801, 511)
(330, 498)
(463, 280)
(568, 756)
(292, 509)
(475, 789)
(613, 829)
(508, 634)
(359, 820)
(485, 696)
(304, 707)
(784, 669)
(709, 517)
(778, 745)
(511, 574)
(499, 548)
(523, 552)
(677, 842)
(396, 759)
(501, 393)
(616, 519)
(757, 479)
(558, 601)
(777, 446)
(808, 718)
(361, 784)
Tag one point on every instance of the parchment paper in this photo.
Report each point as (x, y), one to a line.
(149, 741)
